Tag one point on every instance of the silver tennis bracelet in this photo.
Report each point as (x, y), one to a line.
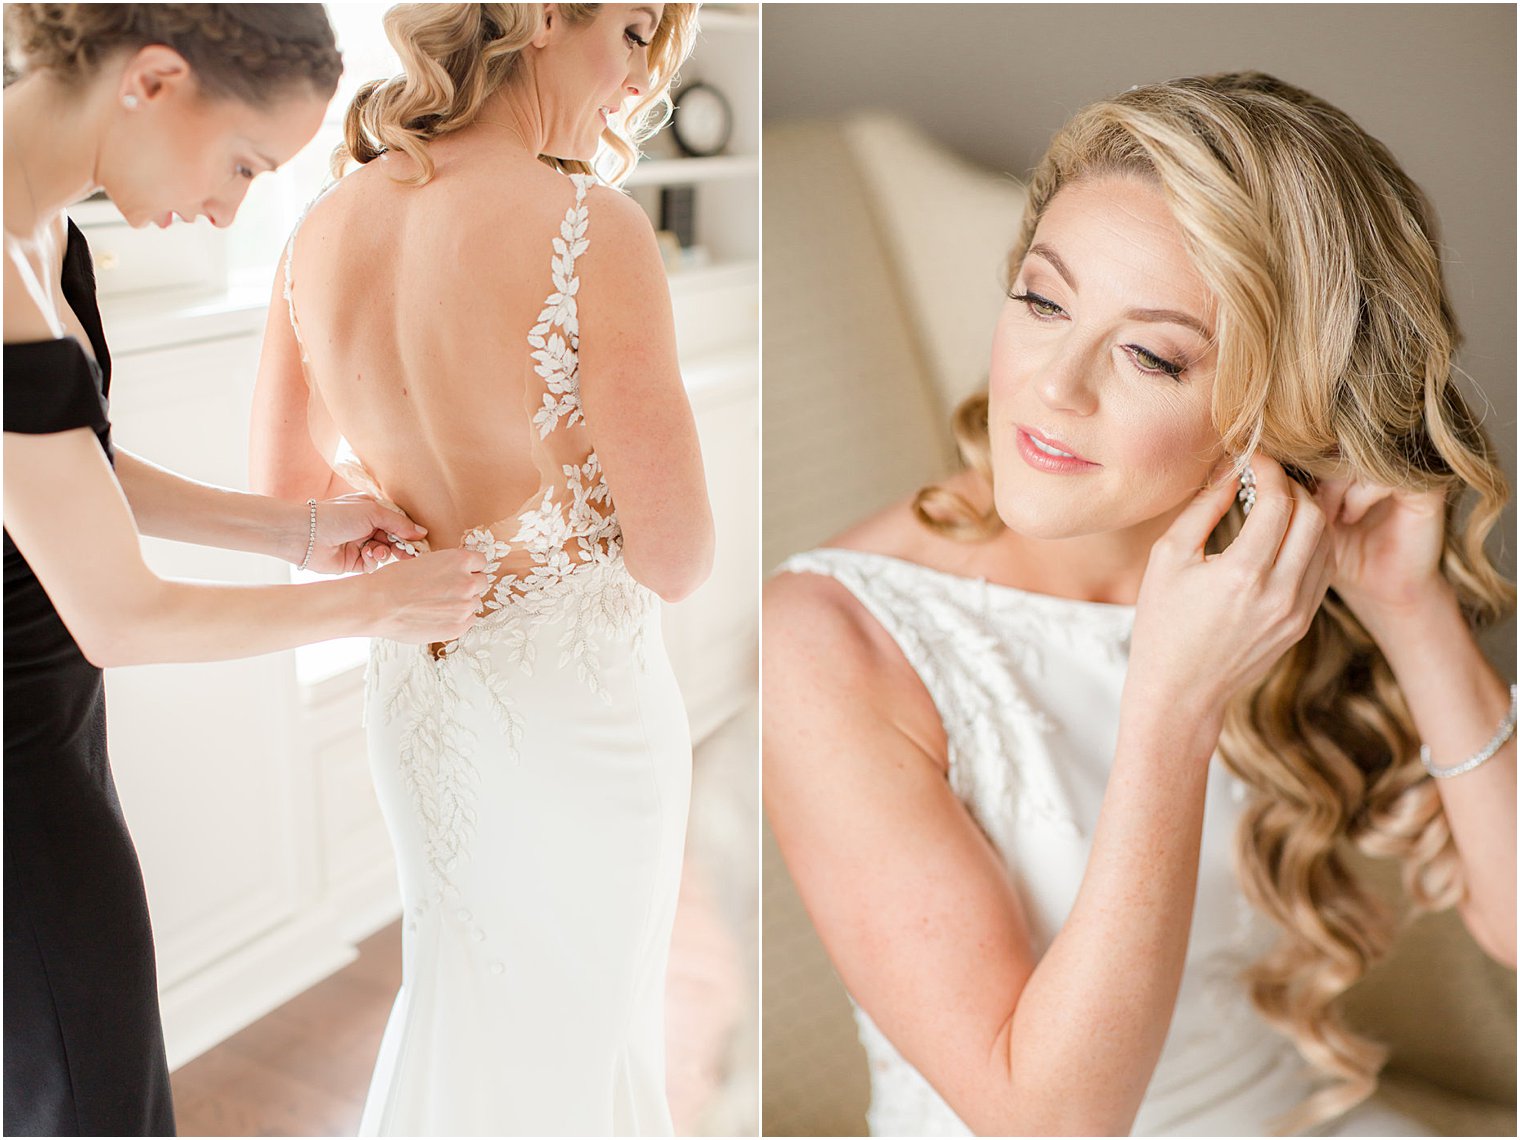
(1505, 731)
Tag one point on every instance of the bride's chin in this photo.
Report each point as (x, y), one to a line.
(1045, 521)
(1044, 529)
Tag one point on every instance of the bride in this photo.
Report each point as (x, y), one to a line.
(1063, 753)
(478, 331)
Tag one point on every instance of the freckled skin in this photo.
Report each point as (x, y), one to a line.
(1086, 535)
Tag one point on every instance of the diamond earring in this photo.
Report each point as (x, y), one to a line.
(1247, 492)
(129, 102)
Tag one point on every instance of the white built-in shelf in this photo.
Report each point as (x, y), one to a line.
(155, 319)
(160, 318)
(718, 275)
(735, 369)
(682, 171)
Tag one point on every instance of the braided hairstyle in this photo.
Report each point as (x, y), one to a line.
(251, 52)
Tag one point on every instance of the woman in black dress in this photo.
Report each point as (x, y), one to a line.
(170, 108)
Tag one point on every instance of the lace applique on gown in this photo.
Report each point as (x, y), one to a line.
(1027, 687)
(534, 774)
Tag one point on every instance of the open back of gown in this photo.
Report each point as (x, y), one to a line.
(535, 773)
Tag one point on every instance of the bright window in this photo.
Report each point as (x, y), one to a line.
(276, 200)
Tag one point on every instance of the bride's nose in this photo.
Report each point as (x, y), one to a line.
(1064, 384)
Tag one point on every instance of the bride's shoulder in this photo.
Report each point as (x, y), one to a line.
(819, 635)
(619, 226)
(830, 658)
(806, 592)
(802, 597)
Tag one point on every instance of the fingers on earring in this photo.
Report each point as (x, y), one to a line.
(129, 102)
(1247, 492)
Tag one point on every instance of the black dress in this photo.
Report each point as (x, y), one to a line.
(84, 1047)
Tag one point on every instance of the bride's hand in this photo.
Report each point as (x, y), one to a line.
(1388, 546)
(432, 597)
(1208, 625)
(354, 532)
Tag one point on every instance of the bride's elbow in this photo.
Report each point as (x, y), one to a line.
(1494, 933)
(277, 483)
(683, 587)
(675, 574)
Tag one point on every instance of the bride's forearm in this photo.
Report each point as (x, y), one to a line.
(1457, 700)
(1088, 1029)
(168, 505)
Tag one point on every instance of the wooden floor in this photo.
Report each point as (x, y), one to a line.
(302, 1070)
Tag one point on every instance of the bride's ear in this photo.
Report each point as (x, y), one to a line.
(549, 27)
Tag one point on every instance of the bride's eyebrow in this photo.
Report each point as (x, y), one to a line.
(1040, 249)
(1170, 316)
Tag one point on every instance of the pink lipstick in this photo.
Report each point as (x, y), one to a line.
(1045, 454)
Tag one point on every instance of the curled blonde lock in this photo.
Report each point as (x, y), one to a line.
(456, 56)
(1335, 344)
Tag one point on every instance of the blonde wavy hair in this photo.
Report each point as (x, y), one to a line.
(456, 56)
(1335, 343)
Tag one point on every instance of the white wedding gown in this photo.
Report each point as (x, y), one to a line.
(534, 776)
(1028, 687)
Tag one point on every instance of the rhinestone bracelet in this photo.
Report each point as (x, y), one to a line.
(1505, 731)
(311, 538)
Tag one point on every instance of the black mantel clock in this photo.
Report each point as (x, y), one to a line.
(702, 121)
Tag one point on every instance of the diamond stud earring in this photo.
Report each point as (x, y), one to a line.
(1247, 492)
(129, 102)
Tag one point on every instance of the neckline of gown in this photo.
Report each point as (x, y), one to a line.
(1097, 610)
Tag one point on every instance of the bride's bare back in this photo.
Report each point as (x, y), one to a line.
(493, 352)
(414, 307)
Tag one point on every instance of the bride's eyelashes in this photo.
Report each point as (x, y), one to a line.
(1146, 361)
(1038, 306)
(635, 38)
